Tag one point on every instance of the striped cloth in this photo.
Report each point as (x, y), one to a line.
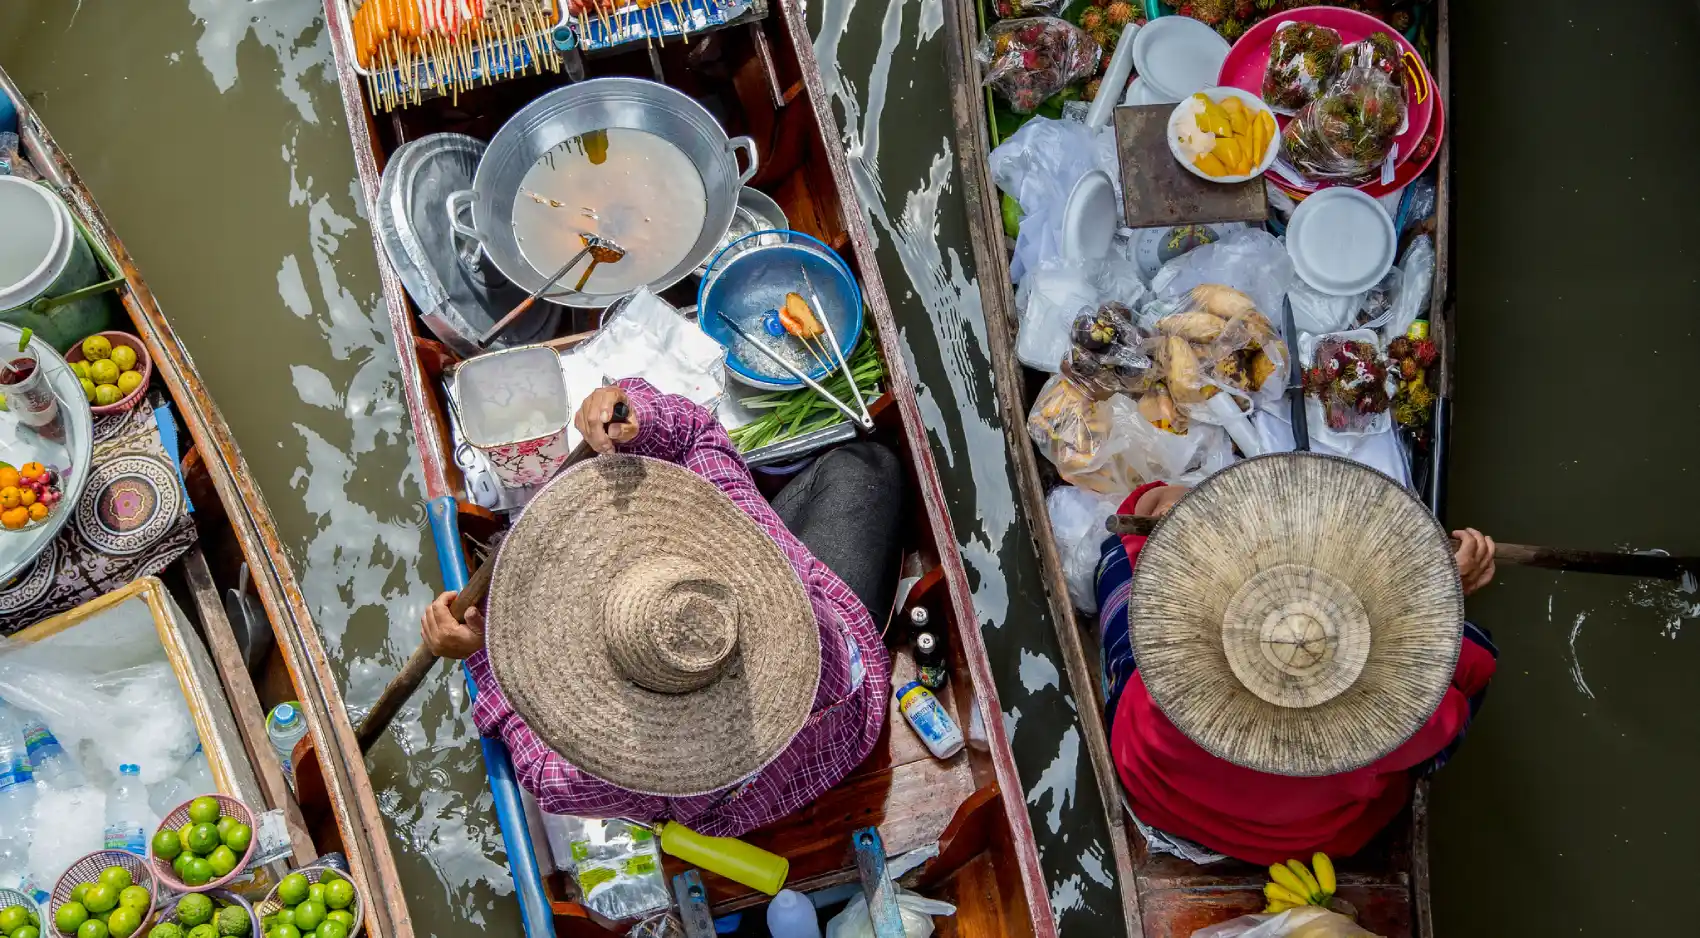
(850, 701)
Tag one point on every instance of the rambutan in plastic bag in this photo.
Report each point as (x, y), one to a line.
(1344, 135)
(1301, 60)
(1028, 60)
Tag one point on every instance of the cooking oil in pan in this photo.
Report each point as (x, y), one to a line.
(628, 185)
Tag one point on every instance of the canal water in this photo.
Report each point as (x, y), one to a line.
(211, 131)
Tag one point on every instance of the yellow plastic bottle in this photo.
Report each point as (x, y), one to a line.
(740, 862)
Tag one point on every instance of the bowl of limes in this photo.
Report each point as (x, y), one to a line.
(20, 917)
(216, 913)
(107, 894)
(203, 843)
(114, 368)
(316, 902)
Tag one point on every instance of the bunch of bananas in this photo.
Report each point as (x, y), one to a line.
(1292, 885)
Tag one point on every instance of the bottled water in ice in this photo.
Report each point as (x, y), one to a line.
(128, 816)
(192, 779)
(17, 782)
(285, 727)
(51, 764)
(197, 773)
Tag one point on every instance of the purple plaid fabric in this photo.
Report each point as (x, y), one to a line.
(850, 703)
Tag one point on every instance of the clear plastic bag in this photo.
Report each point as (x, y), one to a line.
(1027, 60)
(1410, 299)
(1347, 384)
(1213, 339)
(1309, 921)
(916, 911)
(1379, 50)
(1077, 524)
(1301, 59)
(1107, 354)
(1111, 447)
(1250, 260)
(617, 864)
(1050, 300)
(1008, 9)
(1344, 135)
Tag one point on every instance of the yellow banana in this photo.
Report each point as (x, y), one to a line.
(1284, 878)
(1276, 908)
(1312, 888)
(1324, 873)
(1275, 892)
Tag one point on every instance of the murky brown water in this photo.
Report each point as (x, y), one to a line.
(211, 132)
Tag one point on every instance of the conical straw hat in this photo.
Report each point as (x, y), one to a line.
(1297, 614)
(649, 631)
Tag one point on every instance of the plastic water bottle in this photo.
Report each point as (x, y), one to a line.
(49, 760)
(128, 816)
(792, 915)
(285, 727)
(17, 782)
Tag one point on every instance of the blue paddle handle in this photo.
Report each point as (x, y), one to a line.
(498, 768)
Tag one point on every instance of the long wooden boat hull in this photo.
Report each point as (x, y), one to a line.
(1164, 897)
(972, 805)
(236, 527)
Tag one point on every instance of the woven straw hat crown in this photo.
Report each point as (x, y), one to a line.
(1297, 614)
(649, 631)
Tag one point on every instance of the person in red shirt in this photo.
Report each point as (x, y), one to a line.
(1175, 785)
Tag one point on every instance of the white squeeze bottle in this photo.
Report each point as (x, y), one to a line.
(792, 915)
(285, 727)
(128, 816)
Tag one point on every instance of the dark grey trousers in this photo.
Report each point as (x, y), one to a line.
(846, 508)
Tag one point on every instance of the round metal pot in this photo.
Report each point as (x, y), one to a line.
(484, 213)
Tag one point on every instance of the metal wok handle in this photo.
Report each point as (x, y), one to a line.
(748, 145)
(457, 202)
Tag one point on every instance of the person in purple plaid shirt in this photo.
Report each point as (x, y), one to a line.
(836, 524)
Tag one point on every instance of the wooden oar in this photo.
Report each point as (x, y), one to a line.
(1651, 566)
(412, 674)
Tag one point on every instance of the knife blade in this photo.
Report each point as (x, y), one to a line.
(1295, 384)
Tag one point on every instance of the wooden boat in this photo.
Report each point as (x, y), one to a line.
(971, 805)
(1164, 897)
(235, 528)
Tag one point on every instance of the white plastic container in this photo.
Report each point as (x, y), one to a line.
(128, 816)
(285, 727)
(792, 915)
(43, 254)
(513, 407)
(935, 727)
(1253, 103)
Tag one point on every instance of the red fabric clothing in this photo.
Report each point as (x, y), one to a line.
(1176, 786)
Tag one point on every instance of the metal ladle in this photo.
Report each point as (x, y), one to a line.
(601, 250)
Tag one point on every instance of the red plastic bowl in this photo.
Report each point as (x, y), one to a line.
(179, 816)
(144, 364)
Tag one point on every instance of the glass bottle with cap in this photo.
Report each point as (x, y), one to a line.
(933, 670)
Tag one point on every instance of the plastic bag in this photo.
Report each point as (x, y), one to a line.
(1345, 135)
(1348, 387)
(1028, 60)
(616, 863)
(1077, 524)
(1250, 260)
(1214, 339)
(1038, 166)
(1379, 50)
(1301, 59)
(1410, 299)
(1007, 9)
(916, 911)
(1107, 353)
(1050, 300)
(1112, 448)
(1308, 921)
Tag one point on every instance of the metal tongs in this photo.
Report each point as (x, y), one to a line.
(860, 415)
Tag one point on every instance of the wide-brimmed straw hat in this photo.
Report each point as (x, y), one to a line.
(649, 631)
(1297, 614)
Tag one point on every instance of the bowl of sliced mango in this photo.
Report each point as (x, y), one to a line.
(1224, 135)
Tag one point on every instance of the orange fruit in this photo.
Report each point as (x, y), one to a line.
(9, 496)
(31, 470)
(38, 511)
(9, 477)
(26, 497)
(15, 518)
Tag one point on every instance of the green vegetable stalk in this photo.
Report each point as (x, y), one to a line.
(793, 413)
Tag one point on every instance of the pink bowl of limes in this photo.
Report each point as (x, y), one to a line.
(203, 843)
(319, 901)
(104, 346)
(112, 889)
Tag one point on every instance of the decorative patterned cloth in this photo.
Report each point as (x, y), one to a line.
(132, 520)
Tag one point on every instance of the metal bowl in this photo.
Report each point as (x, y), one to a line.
(578, 109)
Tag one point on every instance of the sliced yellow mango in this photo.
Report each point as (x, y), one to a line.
(1210, 164)
(1228, 152)
(1238, 117)
(1214, 119)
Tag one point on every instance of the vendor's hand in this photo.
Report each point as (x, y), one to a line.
(595, 420)
(1475, 559)
(447, 637)
(1156, 502)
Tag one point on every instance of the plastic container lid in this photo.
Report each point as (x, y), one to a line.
(1090, 219)
(129, 769)
(1341, 241)
(34, 241)
(1178, 55)
(285, 716)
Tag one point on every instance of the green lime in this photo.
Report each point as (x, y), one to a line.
(292, 890)
(331, 929)
(28, 931)
(90, 391)
(203, 839)
(203, 810)
(234, 922)
(116, 877)
(238, 837)
(197, 872)
(224, 825)
(316, 892)
(181, 863)
(166, 846)
(123, 922)
(105, 394)
(70, 917)
(104, 372)
(12, 918)
(286, 931)
(96, 347)
(124, 356)
(93, 928)
(194, 909)
(79, 891)
(345, 917)
(339, 894)
(309, 914)
(81, 369)
(285, 916)
(204, 931)
(222, 861)
(166, 930)
(100, 898)
(134, 897)
(183, 834)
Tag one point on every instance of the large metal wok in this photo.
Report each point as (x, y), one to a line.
(485, 212)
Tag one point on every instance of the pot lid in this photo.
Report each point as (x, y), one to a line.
(441, 271)
(1177, 56)
(1341, 241)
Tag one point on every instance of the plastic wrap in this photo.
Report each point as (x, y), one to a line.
(1027, 60)
(916, 911)
(1112, 448)
(1077, 525)
(1250, 260)
(1410, 299)
(1301, 59)
(1347, 384)
(1107, 354)
(1379, 50)
(1007, 9)
(1038, 166)
(617, 864)
(1344, 135)
(1050, 300)
(1308, 921)
(1213, 339)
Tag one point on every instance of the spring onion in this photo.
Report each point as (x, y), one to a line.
(791, 414)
